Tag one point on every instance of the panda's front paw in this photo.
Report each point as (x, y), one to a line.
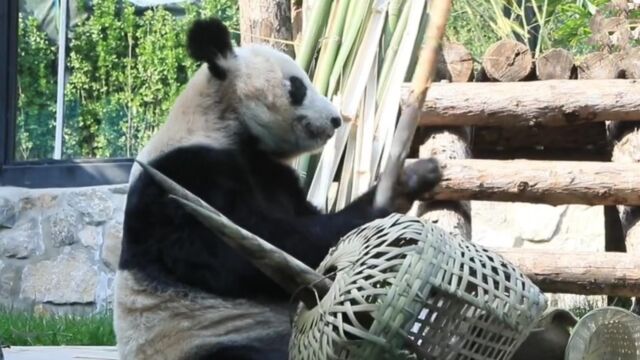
(421, 177)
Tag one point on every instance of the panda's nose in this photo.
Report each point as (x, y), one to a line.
(336, 122)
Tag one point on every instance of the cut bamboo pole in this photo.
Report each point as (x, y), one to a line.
(535, 103)
(287, 271)
(615, 274)
(549, 182)
(428, 59)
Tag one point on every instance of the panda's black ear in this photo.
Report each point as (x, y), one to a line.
(209, 40)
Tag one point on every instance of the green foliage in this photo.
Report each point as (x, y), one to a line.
(571, 26)
(26, 329)
(35, 125)
(125, 67)
(561, 23)
(466, 26)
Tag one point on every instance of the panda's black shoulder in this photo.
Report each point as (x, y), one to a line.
(165, 243)
(202, 169)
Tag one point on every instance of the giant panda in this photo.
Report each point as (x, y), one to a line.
(181, 292)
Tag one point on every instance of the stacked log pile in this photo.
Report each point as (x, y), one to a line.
(510, 105)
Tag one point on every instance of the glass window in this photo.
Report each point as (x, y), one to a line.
(124, 64)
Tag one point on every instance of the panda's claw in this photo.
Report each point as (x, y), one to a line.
(421, 177)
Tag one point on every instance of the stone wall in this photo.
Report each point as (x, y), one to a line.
(59, 247)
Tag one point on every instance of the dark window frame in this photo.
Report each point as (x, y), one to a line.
(44, 173)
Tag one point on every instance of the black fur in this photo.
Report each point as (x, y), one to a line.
(298, 91)
(171, 247)
(207, 41)
(171, 250)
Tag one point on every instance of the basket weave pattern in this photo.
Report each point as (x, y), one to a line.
(605, 334)
(451, 298)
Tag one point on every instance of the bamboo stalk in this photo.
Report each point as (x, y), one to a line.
(387, 113)
(356, 15)
(367, 51)
(329, 51)
(421, 81)
(313, 33)
(346, 179)
(365, 139)
(392, 51)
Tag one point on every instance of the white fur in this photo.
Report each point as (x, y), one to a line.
(255, 98)
(171, 326)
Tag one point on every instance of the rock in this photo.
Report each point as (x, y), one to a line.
(23, 241)
(90, 237)
(537, 222)
(61, 227)
(111, 245)
(120, 189)
(8, 279)
(8, 213)
(43, 201)
(70, 278)
(94, 206)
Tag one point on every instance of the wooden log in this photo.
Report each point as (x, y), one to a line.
(455, 63)
(599, 65)
(631, 63)
(549, 182)
(453, 216)
(534, 103)
(616, 274)
(266, 21)
(555, 64)
(507, 60)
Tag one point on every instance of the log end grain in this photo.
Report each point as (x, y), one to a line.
(507, 60)
(599, 65)
(555, 64)
(455, 63)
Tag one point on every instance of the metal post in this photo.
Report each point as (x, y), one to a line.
(62, 56)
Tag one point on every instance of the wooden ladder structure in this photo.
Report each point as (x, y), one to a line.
(561, 122)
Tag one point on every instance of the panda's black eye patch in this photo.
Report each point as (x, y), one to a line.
(298, 90)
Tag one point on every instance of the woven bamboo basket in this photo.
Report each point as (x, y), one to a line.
(605, 334)
(404, 289)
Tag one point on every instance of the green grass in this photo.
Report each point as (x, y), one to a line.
(20, 328)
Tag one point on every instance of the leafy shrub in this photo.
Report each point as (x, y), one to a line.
(124, 69)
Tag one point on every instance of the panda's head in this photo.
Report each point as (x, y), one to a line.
(271, 95)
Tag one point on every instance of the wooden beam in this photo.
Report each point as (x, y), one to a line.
(534, 103)
(549, 182)
(616, 274)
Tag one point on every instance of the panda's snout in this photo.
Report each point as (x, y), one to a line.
(336, 121)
